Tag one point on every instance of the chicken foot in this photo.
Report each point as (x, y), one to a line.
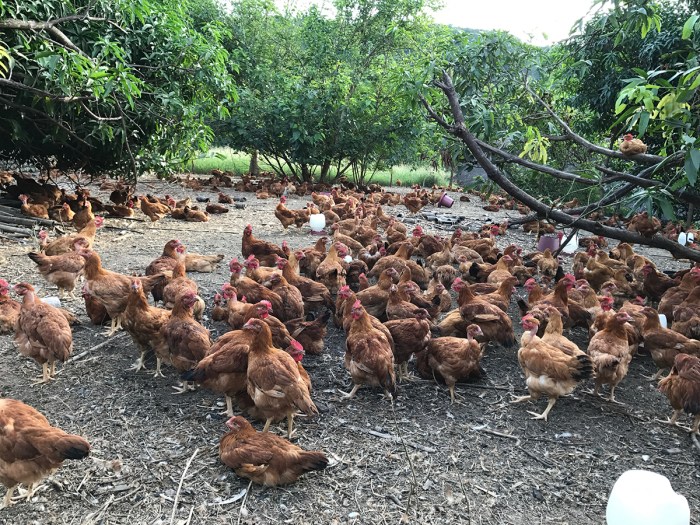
(7, 501)
(656, 376)
(229, 407)
(520, 399)
(140, 363)
(46, 375)
(404, 374)
(696, 425)
(183, 387)
(115, 327)
(351, 394)
(543, 415)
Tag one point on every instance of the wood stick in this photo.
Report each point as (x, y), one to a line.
(96, 347)
(391, 437)
(20, 231)
(179, 487)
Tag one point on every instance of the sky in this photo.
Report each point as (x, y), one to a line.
(539, 22)
(528, 20)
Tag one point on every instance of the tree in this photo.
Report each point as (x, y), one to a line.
(118, 87)
(329, 96)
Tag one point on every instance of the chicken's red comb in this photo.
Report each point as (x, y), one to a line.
(267, 304)
(4, 283)
(297, 345)
(357, 304)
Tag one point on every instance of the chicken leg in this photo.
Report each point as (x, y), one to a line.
(452, 393)
(520, 399)
(543, 415)
(267, 424)
(290, 425)
(229, 407)
(158, 372)
(45, 375)
(351, 394)
(140, 362)
(183, 387)
(696, 425)
(7, 501)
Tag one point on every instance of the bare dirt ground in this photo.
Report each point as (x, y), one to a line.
(479, 461)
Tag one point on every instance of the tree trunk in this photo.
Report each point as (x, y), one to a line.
(305, 173)
(325, 168)
(254, 168)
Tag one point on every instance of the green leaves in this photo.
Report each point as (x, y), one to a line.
(692, 165)
(689, 27)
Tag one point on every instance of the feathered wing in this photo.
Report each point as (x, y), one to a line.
(278, 377)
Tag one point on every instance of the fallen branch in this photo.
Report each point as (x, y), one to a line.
(24, 232)
(459, 130)
(94, 348)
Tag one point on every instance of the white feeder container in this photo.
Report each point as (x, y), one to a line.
(317, 222)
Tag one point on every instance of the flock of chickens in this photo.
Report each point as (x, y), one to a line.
(386, 286)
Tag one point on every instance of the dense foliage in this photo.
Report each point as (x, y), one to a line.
(110, 86)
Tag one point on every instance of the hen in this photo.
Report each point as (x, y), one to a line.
(288, 217)
(30, 448)
(252, 290)
(451, 359)
(67, 243)
(180, 284)
(61, 270)
(644, 225)
(369, 354)
(313, 294)
(632, 146)
(144, 323)
(173, 252)
(265, 252)
(664, 344)
(42, 332)
(111, 288)
(265, 458)
(682, 388)
(187, 341)
(410, 336)
(224, 369)
(153, 210)
(274, 382)
(292, 300)
(609, 350)
(9, 309)
(494, 322)
(309, 332)
(195, 262)
(40, 211)
(553, 371)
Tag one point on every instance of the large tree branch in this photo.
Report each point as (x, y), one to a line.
(23, 87)
(460, 130)
(578, 139)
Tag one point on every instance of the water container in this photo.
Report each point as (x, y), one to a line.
(445, 201)
(348, 259)
(640, 497)
(317, 222)
(682, 238)
(571, 246)
(548, 241)
(663, 321)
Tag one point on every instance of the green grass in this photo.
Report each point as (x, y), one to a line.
(227, 159)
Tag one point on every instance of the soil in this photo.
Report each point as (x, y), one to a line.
(479, 461)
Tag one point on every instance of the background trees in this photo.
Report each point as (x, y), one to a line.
(110, 86)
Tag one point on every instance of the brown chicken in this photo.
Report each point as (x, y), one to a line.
(369, 354)
(644, 225)
(682, 388)
(195, 262)
(61, 270)
(253, 291)
(265, 252)
(631, 146)
(664, 344)
(410, 336)
(225, 367)
(288, 217)
(264, 458)
(153, 210)
(219, 310)
(61, 213)
(145, 323)
(42, 332)
(281, 338)
(549, 370)
(494, 322)
(655, 283)
(67, 243)
(179, 284)
(673, 297)
(93, 308)
(112, 288)
(194, 214)
(292, 300)
(83, 216)
(39, 211)
(609, 350)
(452, 359)
(309, 332)
(9, 309)
(187, 341)
(173, 252)
(31, 449)
(274, 382)
(313, 294)
(686, 316)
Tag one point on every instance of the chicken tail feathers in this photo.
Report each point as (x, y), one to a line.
(584, 367)
(195, 374)
(72, 447)
(313, 460)
(606, 361)
(38, 258)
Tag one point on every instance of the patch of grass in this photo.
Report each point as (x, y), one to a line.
(226, 159)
